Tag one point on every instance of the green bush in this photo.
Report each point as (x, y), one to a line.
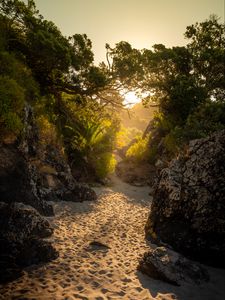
(14, 69)
(90, 137)
(16, 86)
(209, 117)
(138, 152)
(125, 135)
(104, 164)
(11, 105)
(173, 141)
(152, 154)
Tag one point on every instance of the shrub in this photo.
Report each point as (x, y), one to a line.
(14, 69)
(104, 164)
(89, 135)
(11, 105)
(152, 154)
(209, 117)
(47, 131)
(126, 135)
(173, 141)
(138, 152)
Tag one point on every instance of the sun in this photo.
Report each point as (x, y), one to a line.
(130, 99)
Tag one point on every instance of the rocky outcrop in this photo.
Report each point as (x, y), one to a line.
(169, 266)
(188, 209)
(31, 174)
(53, 178)
(78, 193)
(21, 244)
(18, 180)
(56, 181)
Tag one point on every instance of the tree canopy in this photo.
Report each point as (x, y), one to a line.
(57, 76)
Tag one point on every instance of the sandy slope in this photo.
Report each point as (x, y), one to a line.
(85, 271)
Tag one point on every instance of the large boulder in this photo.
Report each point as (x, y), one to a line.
(18, 180)
(188, 208)
(21, 244)
(169, 266)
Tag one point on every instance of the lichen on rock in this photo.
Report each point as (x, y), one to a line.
(188, 208)
(21, 239)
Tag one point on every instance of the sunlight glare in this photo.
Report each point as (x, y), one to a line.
(130, 99)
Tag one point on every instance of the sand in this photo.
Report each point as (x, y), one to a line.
(100, 244)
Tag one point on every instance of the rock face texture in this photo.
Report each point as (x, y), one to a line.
(21, 244)
(31, 174)
(18, 180)
(53, 179)
(188, 209)
(169, 266)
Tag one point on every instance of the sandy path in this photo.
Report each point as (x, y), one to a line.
(94, 272)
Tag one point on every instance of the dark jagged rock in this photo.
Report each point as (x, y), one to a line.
(33, 173)
(21, 244)
(169, 266)
(22, 221)
(36, 252)
(17, 180)
(188, 209)
(78, 193)
(57, 182)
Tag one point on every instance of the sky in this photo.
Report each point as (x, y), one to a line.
(142, 23)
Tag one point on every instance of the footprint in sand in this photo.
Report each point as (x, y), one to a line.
(99, 245)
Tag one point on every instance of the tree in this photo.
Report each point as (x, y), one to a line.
(207, 40)
(11, 105)
(59, 64)
(179, 80)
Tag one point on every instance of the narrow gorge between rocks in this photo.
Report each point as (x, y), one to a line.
(100, 244)
(112, 153)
